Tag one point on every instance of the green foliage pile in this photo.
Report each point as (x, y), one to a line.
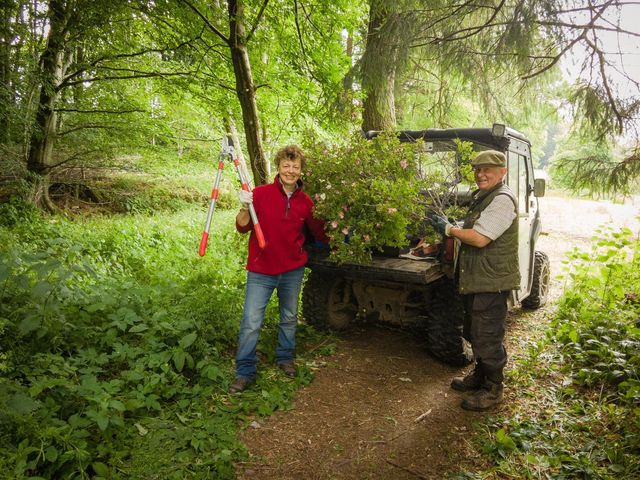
(582, 415)
(367, 191)
(375, 194)
(116, 347)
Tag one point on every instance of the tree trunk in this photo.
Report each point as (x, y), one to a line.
(51, 71)
(245, 90)
(7, 39)
(379, 67)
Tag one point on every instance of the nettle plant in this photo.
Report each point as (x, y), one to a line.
(377, 193)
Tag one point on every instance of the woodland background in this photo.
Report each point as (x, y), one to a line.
(117, 340)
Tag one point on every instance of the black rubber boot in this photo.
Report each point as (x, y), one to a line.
(488, 396)
(470, 382)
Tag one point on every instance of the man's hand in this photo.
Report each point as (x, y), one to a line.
(245, 197)
(441, 224)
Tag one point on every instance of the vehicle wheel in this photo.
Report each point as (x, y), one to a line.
(328, 301)
(540, 286)
(444, 326)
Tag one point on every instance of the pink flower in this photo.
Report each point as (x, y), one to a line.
(334, 224)
(345, 230)
(403, 163)
(392, 210)
(345, 208)
(366, 237)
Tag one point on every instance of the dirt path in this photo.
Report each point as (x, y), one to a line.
(381, 408)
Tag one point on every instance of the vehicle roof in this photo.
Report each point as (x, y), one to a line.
(477, 135)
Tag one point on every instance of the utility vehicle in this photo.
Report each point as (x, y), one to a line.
(421, 293)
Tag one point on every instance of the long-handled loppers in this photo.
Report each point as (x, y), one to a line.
(229, 152)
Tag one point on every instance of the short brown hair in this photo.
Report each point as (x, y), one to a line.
(291, 152)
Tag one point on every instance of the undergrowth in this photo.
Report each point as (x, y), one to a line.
(117, 343)
(577, 413)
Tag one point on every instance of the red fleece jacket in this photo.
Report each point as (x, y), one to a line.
(283, 223)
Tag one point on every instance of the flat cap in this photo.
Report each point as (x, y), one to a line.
(491, 158)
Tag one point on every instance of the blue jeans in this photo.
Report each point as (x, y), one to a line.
(257, 294)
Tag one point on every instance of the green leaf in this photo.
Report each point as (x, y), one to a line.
(29, 324)
(102, 421)
(51, 453)
(178, 359)
(505, 440)
(94, 307)
(4, 272)
(573, 335)
(141, 430)
(22, 403)
(141, 327)
(41, 289)
(212, 372)
(101, 469)
(182, 418)
(187, 340)
(117, 405)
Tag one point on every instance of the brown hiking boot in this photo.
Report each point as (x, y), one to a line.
(240, 384)
(289, 368)
(470, 382)
(488, 396)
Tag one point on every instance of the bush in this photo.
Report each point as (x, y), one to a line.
(373, 194)
(108, 325)
(598, 321)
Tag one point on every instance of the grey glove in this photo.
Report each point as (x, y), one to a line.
(245, 197)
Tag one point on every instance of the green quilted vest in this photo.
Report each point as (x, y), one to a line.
(493, 268)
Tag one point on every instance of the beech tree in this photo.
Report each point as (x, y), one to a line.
(237, 40)
(292, 52)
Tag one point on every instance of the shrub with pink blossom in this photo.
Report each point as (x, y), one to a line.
(373, 195)
(367, 191)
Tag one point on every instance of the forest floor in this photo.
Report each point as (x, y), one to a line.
(381, 408)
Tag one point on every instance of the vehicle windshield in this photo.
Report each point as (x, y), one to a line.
(438, 160)
(444, 165)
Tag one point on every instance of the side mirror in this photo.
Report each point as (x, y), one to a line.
(539, 186)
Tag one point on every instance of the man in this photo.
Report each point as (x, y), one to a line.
(285, 212)
(487, 270)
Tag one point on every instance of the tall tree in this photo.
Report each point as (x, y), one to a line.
(237, 41)
(381, 61)
(8, 36)
(54, 62)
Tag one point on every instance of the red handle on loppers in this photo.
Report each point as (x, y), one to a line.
(203, 243)
(212, 207)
